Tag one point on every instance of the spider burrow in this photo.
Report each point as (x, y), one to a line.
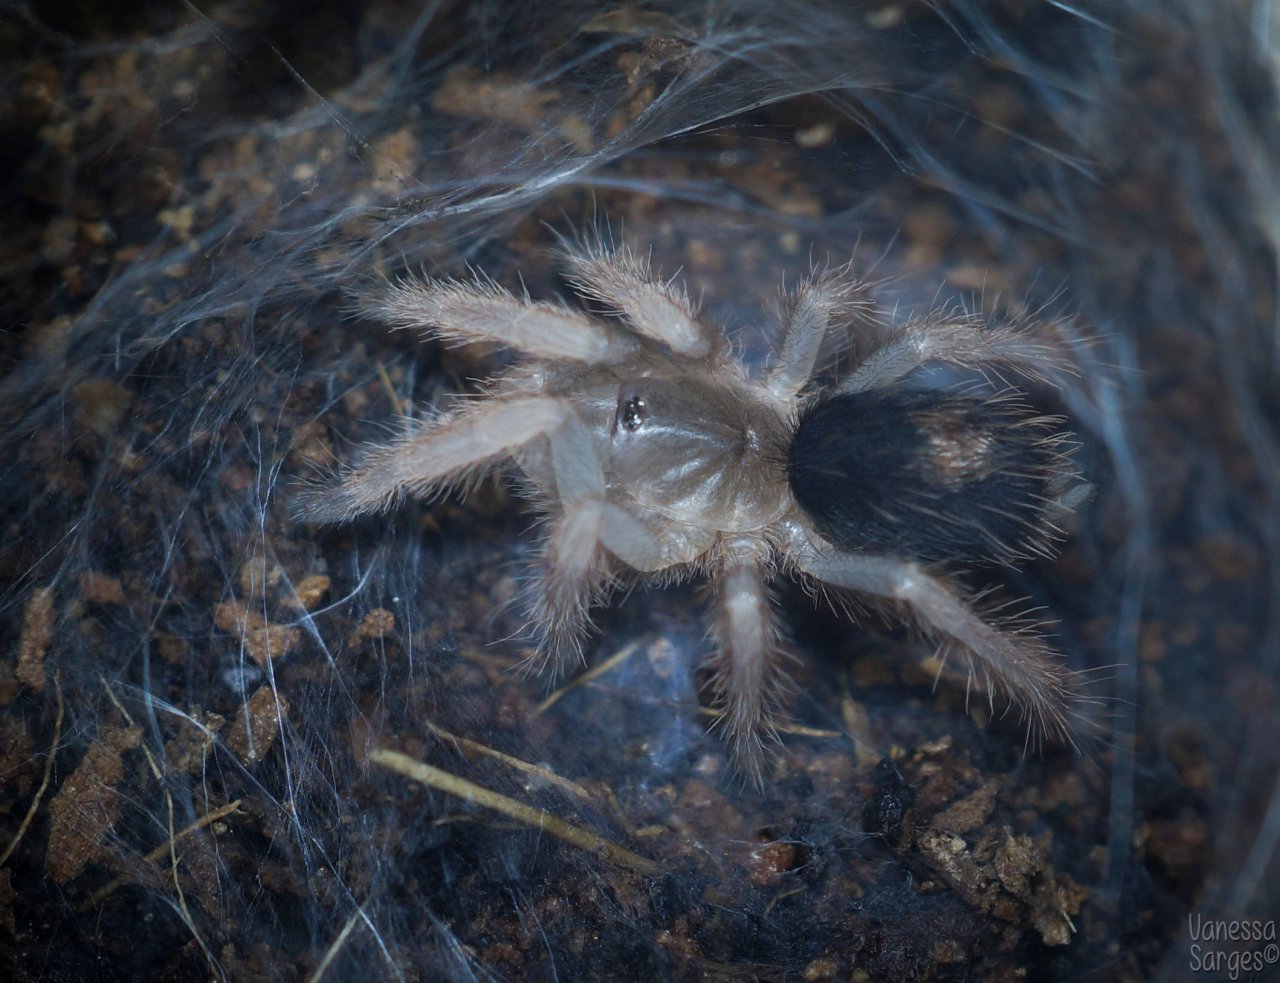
(652, 453)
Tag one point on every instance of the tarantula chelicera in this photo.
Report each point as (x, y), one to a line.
(652, 452)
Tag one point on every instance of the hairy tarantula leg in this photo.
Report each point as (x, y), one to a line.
(458, 313)
(636, 545)
(657, 309)
(961, 340)
(576, 573)
(575, 577)
(441, 453)
(1017, 665)
(747, 677)
(812, 309)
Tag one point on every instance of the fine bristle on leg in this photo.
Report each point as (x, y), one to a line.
(458, 313)
(1015, 665)
(440, 454)
(656, 309)
(812, 311)
(963, 340)
(748, 678)
(575, 576)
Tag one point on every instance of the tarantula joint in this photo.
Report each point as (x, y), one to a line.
(653, 453)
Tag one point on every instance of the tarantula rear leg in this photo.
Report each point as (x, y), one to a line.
(1014, 664)
(747, 674)
(961, 340)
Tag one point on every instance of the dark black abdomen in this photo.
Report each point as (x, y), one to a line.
(929, 475)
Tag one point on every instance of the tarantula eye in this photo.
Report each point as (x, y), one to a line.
(632, 411)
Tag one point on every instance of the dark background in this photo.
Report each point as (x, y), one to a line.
(194, 199)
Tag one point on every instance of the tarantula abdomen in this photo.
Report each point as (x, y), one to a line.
(932, 475)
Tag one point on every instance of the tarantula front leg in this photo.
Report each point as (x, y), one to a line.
(440, 454)
(961, 340)
(1016, 664)
(456, 448)
(811, 311)
(747, 675)
(459, 312)
(576, 573)
(656, 309)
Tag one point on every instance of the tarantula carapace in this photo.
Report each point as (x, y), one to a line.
(652, 452)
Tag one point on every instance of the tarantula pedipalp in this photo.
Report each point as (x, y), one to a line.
(652, 451)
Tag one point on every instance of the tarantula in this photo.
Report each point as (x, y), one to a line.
(652, 452)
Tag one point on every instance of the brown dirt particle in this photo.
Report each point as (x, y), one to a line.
(100, 405)
(262, 641)
(311, 591)
(99, 588)
(254, 731)
(376, 623)
(86, 807)
(37, 630)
